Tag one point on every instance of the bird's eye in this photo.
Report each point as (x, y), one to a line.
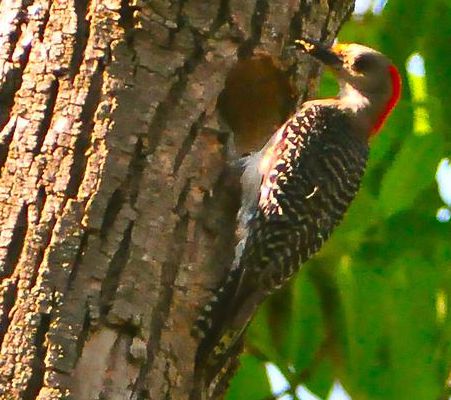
(362, 63)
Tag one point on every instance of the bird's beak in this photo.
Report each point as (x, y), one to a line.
(328, 56)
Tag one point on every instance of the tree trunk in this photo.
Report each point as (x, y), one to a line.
(117, 210)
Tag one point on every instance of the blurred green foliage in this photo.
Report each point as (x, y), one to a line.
(371, 310)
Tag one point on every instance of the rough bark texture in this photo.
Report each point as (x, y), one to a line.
(116, 209)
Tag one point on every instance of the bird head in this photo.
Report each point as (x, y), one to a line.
(369, 82)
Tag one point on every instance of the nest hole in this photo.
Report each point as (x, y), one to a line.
(256, 100)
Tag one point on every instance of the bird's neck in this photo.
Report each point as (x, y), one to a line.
(367, 112)
(353, 99)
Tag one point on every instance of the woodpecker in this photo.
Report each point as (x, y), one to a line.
(296, 189)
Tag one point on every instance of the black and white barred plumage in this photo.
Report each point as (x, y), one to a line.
(308, 174)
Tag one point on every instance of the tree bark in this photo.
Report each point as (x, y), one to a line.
(117, 209)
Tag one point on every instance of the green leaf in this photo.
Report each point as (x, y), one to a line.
(434, 47)
(304, 331)
(412, 171)
(321, 379)
(363, 337)
(260, 335)
(415, 331)
(251, 381)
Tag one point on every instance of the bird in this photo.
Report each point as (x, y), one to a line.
(296, 190)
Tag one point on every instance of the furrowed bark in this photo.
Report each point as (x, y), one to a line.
(117, 209)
